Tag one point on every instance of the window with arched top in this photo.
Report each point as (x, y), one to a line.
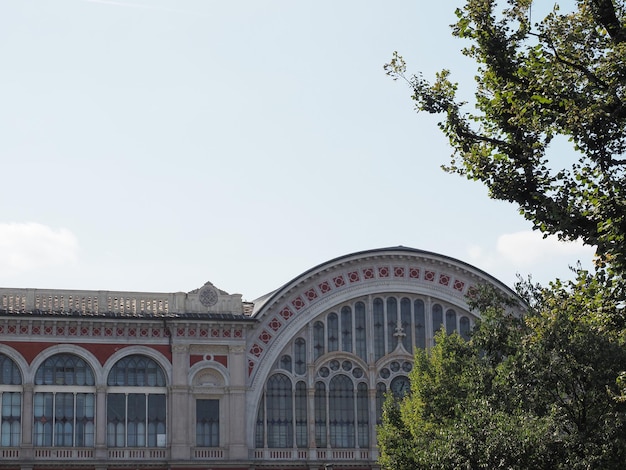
(64, 403)
(342, 345)
(450, 321)
(11, 401)
(279, 399)
(464, 327)
(136, 403)
(437, 318)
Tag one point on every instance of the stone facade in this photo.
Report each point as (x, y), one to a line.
(199, 380)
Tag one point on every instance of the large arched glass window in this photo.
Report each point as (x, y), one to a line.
(136, 403)
(341, 406)
(365, 329)
(11, 399)
(64, 403)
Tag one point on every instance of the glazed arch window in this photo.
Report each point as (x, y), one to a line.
(64, 403)
(11, 402)
(136, 403)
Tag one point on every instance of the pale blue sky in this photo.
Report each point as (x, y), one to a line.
(154, 145)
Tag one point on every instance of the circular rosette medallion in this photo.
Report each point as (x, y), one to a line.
(208, 296)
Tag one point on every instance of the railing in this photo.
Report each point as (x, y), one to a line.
(64, 453)
(138, 454)
(9, 453)
(102, 303)
(206, 453)
(312, 454)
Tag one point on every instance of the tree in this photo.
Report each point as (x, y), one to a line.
(565, 75)
(546, 389)
(531, 392)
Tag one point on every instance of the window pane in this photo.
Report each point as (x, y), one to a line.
(346, 329)
(333, 332)
(260, 425)
(379, 329)
(301, 415)
(136, 371)
(300, 356)
(318, 339)
(9, 373)
(465, 327)
(420, 330)
(279, 411)
(64, 369)
(362, 410)
(116, 419)
(360, 330)
(450, 321)
(405, 321)
(341, 412)
(437, 318)
(43, 419)
(11, 419)
(156, 417)
(392, 323)
(207, 423)
(320, 414)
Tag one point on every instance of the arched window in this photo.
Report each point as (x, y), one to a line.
(300, 356)
(341, 412)
(332, 322)
(437, 318)
(450, 321)
(360, 331)
(379, 329)
(346, 329)
(11, 399)
(279, 411)
(392, 323)
(285, 362)
(368, 329)
(318, 339)
(405, 322)
(464, 326)
(420, 322)
(64, 403)
(136, 403)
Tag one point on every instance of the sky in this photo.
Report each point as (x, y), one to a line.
(155, 145)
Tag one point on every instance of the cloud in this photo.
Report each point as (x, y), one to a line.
(527, 252)
(28, 247)
(529, 247)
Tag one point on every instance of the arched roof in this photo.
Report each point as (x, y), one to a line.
(391, 269)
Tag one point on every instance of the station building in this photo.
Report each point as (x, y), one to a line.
(101, 380)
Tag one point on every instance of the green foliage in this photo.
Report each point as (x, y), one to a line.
(545, 390)
(531, 392)
(565, 75)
